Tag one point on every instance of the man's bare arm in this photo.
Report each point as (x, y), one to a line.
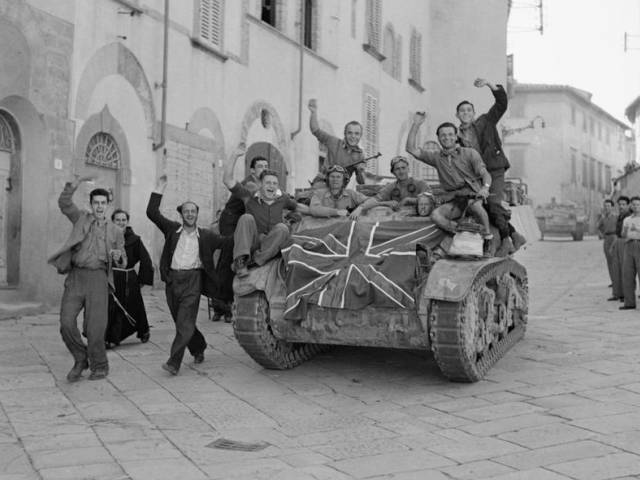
(227, 174)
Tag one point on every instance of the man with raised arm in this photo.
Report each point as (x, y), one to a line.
(404, 191)
(256, 167)
(92, 249)
(186, 267)
(482, 135)
(344, 152)
(260, 232)
(461, 173)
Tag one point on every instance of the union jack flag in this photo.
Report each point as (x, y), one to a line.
(350, 265)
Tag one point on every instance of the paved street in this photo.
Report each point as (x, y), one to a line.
(563, 404)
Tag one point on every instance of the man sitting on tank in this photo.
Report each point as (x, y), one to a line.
(460, 171)
(336, 200)
(260, 232)
(404, 191)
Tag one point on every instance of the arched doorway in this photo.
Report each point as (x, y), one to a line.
(10, 201)
(273, 156)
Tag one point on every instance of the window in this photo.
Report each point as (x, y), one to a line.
(388, 48)
(310, 24)
(7, 141)
(585, 171)
(516, 158)
(607, 178)
(397, 58)
(607, 135)
(208, 21)
(354, 7)
(103, 151)
(592, 126)
(592, 174)
(371, 130)
(415, 57)
(268, 13)
(584, 122)
(574, 166)
(599, 131)
(573, 115)
(599, 177)
(374, 23)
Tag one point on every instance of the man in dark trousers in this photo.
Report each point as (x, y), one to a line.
(92, 249)
(482, 135)
(186, 267)
(607, 228)
(617, 250)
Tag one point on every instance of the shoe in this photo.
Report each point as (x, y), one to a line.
(99, 374)
(198, 358)
(626, 307)
(506, 248)
(75, 373)
(519, 241)
(170, 368)
(240, 266)
(487, 236)
(217, 317)
(228, 318)
(613, 299)
(144, 338)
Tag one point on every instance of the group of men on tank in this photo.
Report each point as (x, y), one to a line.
(252, 227)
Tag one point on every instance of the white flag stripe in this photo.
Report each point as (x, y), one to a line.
(380, 289)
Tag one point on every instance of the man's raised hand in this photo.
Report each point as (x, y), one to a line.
(480, 82)
(313, 105)
(78, 179)
(161, 183)
(419, 118)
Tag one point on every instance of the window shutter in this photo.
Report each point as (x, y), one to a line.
(371, 132)
(397, 58)
(374, 23)
(211, 21)
(415, 56)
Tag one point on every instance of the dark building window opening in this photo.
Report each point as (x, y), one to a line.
(268, 14)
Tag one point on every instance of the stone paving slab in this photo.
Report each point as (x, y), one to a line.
(563, 404)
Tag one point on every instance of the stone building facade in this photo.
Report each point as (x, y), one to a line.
(569, 148)
(81, 91)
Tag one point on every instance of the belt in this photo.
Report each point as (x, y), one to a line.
(610, 233)
(185, 269)
(116, 269)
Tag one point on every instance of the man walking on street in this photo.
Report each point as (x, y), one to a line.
(93, 247)
(631, 258)
(607, 228)
(186, 267)
(617, 250)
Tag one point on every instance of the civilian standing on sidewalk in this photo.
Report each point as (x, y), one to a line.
(617, 249)
(631, 262)
(607, 228)
(88, 257)
(186, 267)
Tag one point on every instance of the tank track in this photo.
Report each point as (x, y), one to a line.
(470, 336)
(252, 329)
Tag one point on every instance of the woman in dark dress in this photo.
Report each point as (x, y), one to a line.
(126, 311)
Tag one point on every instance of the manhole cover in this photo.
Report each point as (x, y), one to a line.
(226, 444)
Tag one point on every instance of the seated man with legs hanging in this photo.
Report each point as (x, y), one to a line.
(461, 173)
(260, 232)
(404, 191)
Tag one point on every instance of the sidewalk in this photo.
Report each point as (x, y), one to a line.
(563, 404)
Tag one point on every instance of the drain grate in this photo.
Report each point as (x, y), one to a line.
(226, 444)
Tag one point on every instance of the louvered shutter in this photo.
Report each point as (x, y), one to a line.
(211, 21)
(374, 23)
(397, 58)
(371, 132)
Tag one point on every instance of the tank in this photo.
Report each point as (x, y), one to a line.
(561, 219)
(381, 283)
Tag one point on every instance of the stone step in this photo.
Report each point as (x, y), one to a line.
(14, 303)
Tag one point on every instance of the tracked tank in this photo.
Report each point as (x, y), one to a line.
(376, 282)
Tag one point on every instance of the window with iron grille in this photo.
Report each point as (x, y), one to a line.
(371, 131)
(415, 56)
(599, 185)
(7, 141)
(585, 170)
(268, 12)
(103, 151)
(209, 21)
(374, 23)
(574, 167)
(592, 174)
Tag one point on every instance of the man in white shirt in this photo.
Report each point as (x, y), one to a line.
(631, 263)
(186, 266)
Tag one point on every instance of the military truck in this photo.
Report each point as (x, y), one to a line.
(561, 219)
(377, 283)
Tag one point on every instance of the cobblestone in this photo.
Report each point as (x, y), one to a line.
(563, 404)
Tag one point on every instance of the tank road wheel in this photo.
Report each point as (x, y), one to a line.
(252, 329)
(470, 336)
